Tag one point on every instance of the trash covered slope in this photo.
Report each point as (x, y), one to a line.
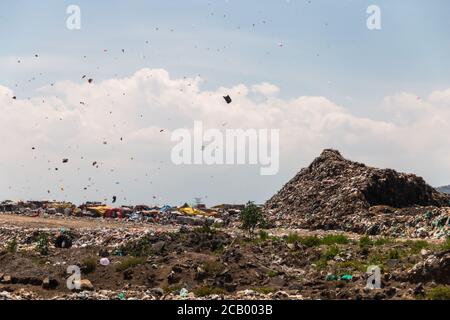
(336, 193)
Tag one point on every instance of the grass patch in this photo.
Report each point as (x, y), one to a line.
(272, 273)
(139, 248)
(206, 228)
(264, 290)
(208, 290)
(326, 256)
(330, 253)
(176, 288)
(439, 293)
(292, 238)
(314, 241)
(382, 241)
(129, 263)
(335, 239)
(213, 267)
(263, 235)
(310, 241)
(446, 245)
(417, 245)
(89, 265)
(351, 265)
(219, 250)
(11, 246)
(394, 254)
(365, 242)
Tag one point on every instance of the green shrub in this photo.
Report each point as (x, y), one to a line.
(206, 228)
(251, 217)
(365, 242)
(138, 248)
(439, 293)
(11, 246)
(89, 265)
(129, 263)
(394, 254)
(43, 243)
(213, 267)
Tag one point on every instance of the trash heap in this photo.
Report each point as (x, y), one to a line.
(112, 237)
(334, 193)
(435, 268)
(185, 214)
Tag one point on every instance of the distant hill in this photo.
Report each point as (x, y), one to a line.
(444, 189)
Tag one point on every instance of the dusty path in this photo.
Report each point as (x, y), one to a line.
(78, 223)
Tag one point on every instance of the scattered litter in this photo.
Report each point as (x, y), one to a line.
(347, 277)
(104, 262)
(228, 99)
(63, 241)
(184, 293)
(331, 277)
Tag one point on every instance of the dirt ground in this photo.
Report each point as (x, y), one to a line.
(76, 223)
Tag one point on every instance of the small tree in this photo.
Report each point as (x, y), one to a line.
(42, 243)
(251, 217)
(11, 246)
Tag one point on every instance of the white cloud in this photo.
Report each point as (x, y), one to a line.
(441, 97)
(74, 120)
(266, 89)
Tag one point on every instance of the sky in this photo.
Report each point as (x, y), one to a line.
(311, 69)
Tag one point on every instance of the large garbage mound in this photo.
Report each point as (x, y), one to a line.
(336, 193)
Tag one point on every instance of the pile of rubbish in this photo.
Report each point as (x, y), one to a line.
(334, 193)
(435, 268)
(190, 215)
(64, 238)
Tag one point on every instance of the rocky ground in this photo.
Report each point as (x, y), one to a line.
(150, 261)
